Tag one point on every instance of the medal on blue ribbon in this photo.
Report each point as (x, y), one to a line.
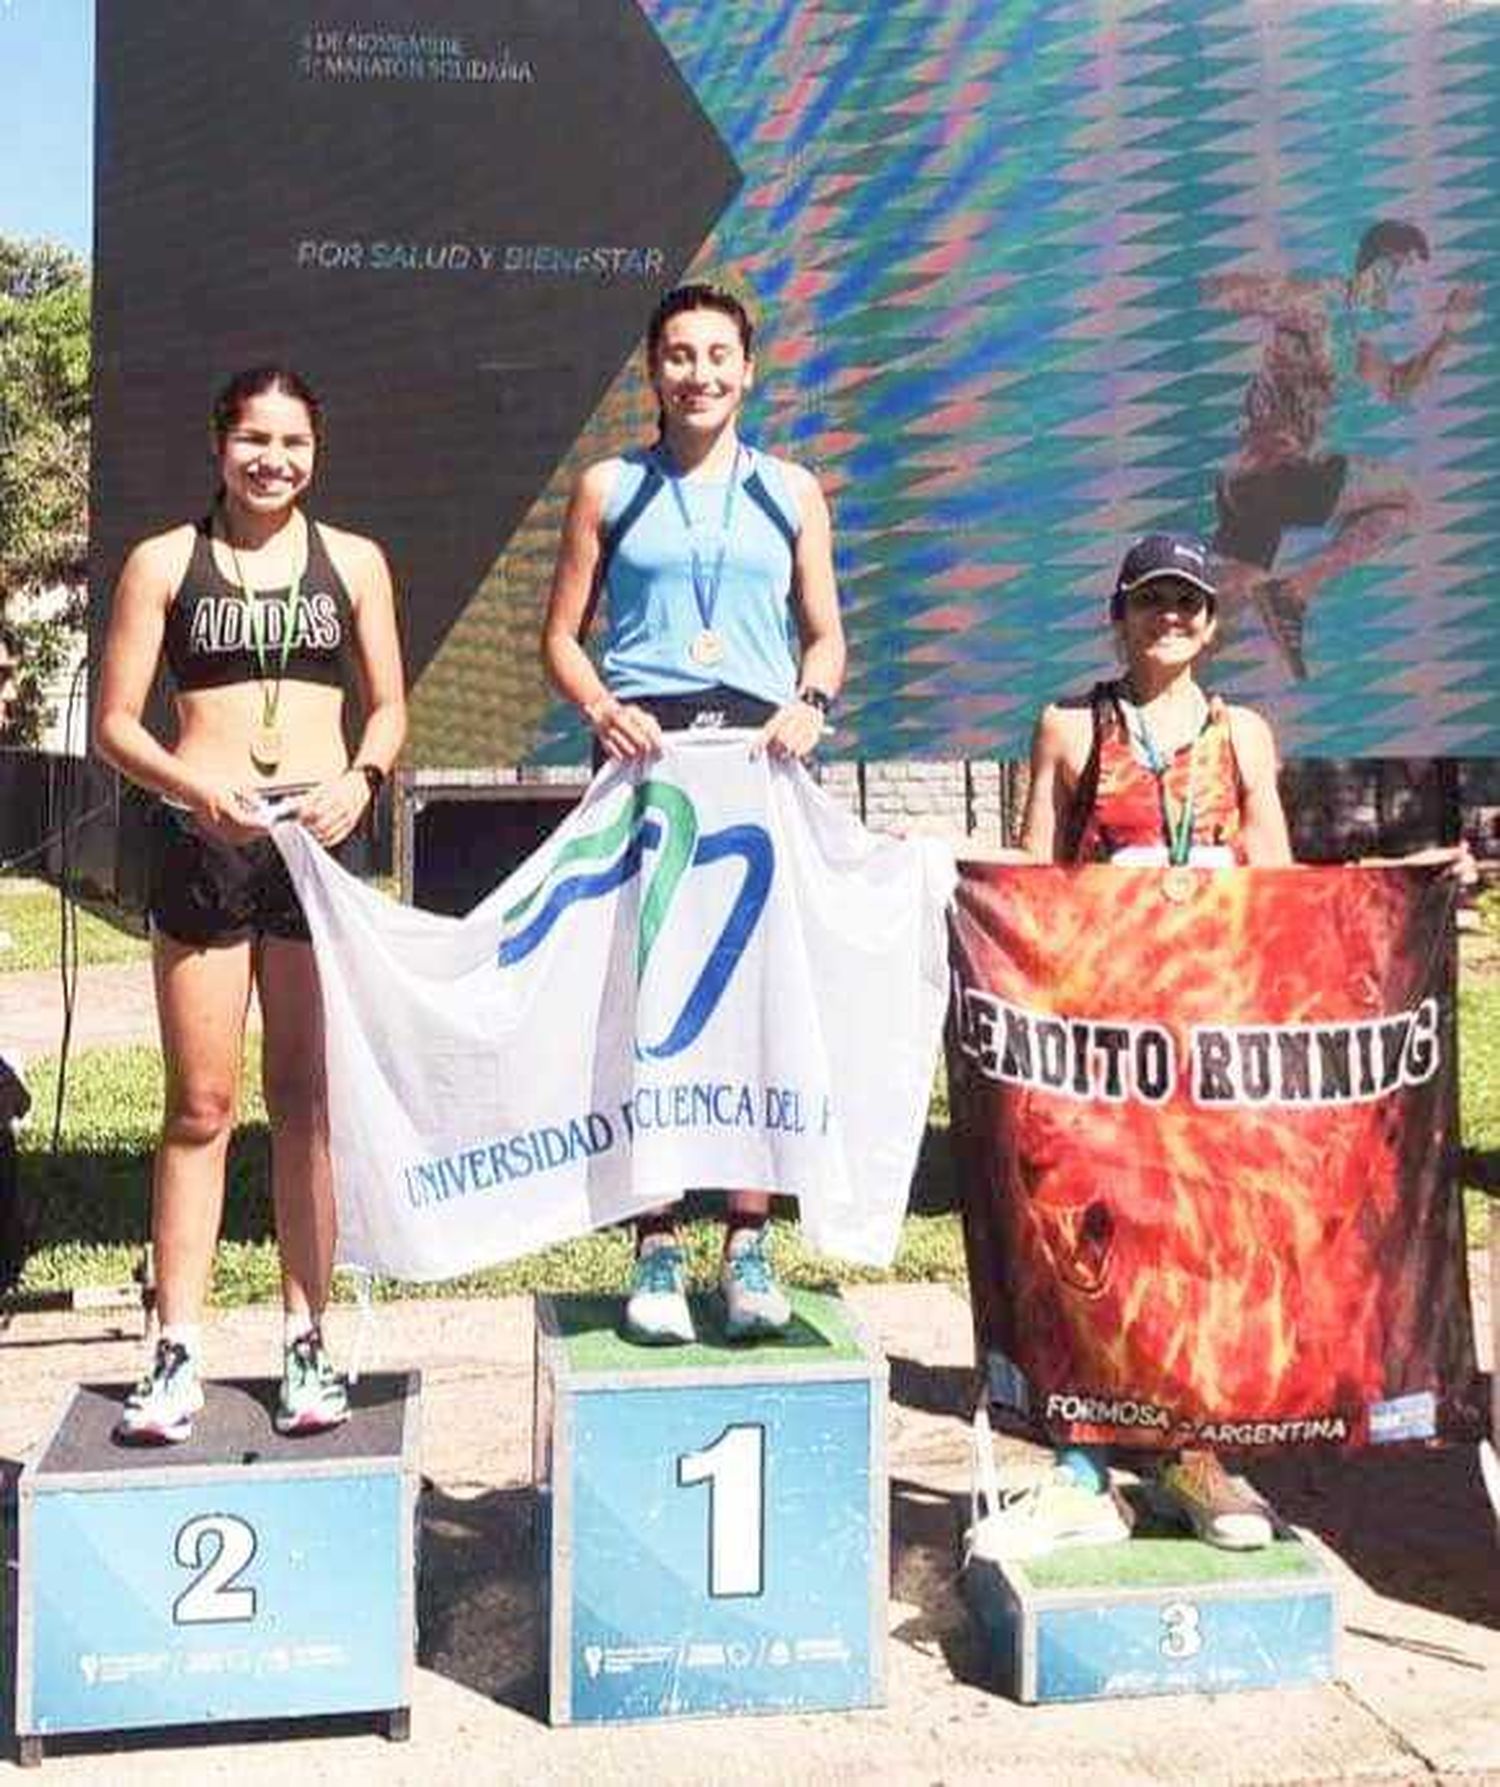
(706, 648)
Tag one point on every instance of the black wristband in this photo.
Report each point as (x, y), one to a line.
(374, 777)
(817, 698)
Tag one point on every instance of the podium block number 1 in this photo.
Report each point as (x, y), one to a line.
(734, 1468)
(220, 1548)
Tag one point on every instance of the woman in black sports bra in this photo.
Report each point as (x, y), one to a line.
(258, 612)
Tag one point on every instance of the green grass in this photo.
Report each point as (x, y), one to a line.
(93, 1202)
(30, 917)
(1479, 1095)
(1172, 1562)
(93, 1199)
(820, 1332)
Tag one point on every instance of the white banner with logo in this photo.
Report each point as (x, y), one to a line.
(709, 977)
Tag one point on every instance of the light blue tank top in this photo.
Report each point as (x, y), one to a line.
(651, 609)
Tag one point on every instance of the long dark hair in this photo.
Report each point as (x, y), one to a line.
(256, 381)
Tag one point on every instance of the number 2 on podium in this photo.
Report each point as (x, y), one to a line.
(734, 1467)
(219, 1547)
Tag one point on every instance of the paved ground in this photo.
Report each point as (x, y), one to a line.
(114, 1004)
(1421, 1657)
(1420, 1698)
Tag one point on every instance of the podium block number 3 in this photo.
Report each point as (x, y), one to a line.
(734, 1468)
(1181, 1631)
(219, 1547)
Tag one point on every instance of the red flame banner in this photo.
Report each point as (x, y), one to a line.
(1206, 1136)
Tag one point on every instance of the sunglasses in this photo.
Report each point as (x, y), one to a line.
(1168, 592)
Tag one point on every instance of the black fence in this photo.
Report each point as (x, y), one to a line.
(74, 816)
(59, 814)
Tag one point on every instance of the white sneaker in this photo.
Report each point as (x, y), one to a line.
(656, 1311)
(753, 1301)
(314, 1397)
(1032, 1469)
(160, 1409)
(1046, 1516)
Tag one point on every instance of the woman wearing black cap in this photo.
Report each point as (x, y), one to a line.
(1153, 770)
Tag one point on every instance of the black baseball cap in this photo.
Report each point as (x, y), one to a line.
(1155, 557)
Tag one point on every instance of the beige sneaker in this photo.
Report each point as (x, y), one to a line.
(1222, 1510)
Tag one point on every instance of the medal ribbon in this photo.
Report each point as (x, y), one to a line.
(1178, 829)
(705, 586)
(270, 688)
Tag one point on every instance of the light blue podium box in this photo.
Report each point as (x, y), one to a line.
(714, 1516)
(239, 1576)
(1156, 1615)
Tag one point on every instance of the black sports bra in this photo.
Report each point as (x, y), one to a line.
(210, 637)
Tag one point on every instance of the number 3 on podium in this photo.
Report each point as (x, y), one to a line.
(734, 1467)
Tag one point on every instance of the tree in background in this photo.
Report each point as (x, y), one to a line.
(44, 460)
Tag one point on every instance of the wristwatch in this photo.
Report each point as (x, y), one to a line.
(818, 698)
(374, 777)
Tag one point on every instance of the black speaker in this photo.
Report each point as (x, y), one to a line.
(459, 835)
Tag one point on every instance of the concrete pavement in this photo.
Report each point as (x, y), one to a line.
(1422, 1601)
(1420, 1697)
(113, 1004)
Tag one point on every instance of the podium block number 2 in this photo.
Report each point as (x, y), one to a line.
(219, 1547)
(734, 1468)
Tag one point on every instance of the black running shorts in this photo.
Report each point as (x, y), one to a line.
(707, 710)
(204, 891)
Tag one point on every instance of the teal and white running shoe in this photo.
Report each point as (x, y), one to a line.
(313, 1395)
(754, 1304)
(1048, 1515)
(656, 1311)
(159, 1410)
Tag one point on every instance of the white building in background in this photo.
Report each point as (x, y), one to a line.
(67, 734)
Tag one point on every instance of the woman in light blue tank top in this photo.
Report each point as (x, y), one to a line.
(712, 563)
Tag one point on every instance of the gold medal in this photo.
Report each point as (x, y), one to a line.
(265, 747)
(266, 741)
(707, 647)
(1177, 884)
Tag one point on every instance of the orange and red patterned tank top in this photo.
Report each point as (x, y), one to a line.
(1118, 801)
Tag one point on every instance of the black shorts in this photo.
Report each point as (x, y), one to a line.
(204, 891)
(1256, 507)
(710, 710)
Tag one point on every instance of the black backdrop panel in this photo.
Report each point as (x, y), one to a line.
(454, 230)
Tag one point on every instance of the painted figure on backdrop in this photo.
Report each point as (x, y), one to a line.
(259, 612)
(1328, 376)
(713, 563)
